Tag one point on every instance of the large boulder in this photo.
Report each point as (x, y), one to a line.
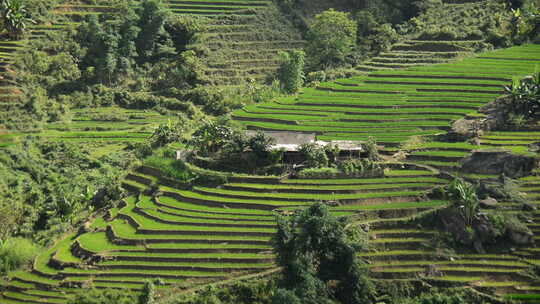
(488, 203)
(466, 128)
(498, 161)
(491, 117)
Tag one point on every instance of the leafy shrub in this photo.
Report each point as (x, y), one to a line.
(260, 144)
(468, 22)
(291, 71)
(314, 78)
(211, 137)
(526, 22)
(142, 150)
(243, 154)
(253, 92)
(360, 168)
(372, 150)
(373, 37)
(170, 167)
(42, 108)
(15, 17)
(165, 134)
(57, 184)
(185, 30)
(240, 292)
(15, 253)
(319, 173)
(104, 296)
(523, 98)
(315, 248)
(463, 196)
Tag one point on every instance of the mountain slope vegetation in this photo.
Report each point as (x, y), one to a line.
(136, 159)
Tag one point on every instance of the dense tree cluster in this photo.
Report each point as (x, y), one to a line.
(314, 249)
(47, 188)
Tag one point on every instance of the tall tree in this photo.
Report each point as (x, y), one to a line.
(332, 37)
(318, 253)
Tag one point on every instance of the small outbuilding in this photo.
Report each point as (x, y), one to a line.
(290, 143)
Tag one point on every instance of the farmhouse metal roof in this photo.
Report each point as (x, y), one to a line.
(291, 141)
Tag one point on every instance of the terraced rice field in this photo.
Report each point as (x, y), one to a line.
(190, 237)
(239, 51)
(92, 128)
(417, 52)
(394, 105)
(200, 235)
(10, 94)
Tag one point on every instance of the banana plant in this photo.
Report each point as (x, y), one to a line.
(15, 17)
(463, 196)
(524, 96)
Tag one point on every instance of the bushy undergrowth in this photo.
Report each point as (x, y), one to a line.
(487, 20)
(105, 296)
(47, 188)
(15, 253)
(523, 98)
(325, 162)
(165, 161)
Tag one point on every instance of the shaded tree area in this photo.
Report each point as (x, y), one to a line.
(138, 59)
(318, 253)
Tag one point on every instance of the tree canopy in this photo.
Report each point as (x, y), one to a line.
(318, 253)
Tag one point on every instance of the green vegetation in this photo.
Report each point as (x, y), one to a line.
(47, 187)
(313, 248)
(107, 296)
(15, 17)
(16, 252)
(124, 151)
(291, 72)
(332, 38)
(523, 99)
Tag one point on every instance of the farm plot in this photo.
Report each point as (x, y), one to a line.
(190, 237)
(240, 51)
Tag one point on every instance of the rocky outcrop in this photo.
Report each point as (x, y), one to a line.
(492, 117)
(466, 128)
(484, 230)
(521, 237)
(498, 161)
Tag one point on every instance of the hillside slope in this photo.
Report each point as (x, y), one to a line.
(196, 236)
